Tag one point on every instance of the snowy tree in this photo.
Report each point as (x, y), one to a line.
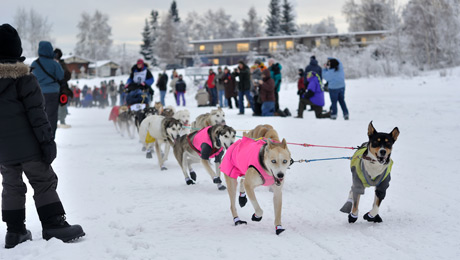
(252, 27)
(288, 26)
(146, 46)
(153, 34)
(171, 42)
(327, 25)
(32, 28)
(174, 12)
(273, 20)
(94, 37)
(211, 25)
(432, 28)
(370, 15)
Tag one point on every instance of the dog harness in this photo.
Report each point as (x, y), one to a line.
(202, 137)
(243, 154)
(356, 161)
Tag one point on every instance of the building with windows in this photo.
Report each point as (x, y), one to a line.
(230, 51)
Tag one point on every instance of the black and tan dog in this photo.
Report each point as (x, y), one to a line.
(201, 146)
(371, 166)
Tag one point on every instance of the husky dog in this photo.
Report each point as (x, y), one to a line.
(215, 117)
(261, 163)
(158, 130)
(263, 131)
(140, 115)
(371, 166)
(203, 145)
(125, 121)
(168, 111)
(184, 117)
(159, 107)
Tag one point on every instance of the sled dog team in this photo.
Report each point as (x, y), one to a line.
(260, 158)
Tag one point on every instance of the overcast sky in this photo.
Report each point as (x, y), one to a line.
(127, 16)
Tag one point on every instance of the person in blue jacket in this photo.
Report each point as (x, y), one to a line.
(335, 77)
(49, 84)
(140, 79)
(275, 74)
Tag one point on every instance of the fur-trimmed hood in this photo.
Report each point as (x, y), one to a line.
(13, 70)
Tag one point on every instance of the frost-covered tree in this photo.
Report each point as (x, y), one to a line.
(370, 15)
(94, 37)
(174, 12)
(153, 34)
(146, 46)
(171, 40)
(211, 25)
(327, 25)
(32, 28)
(432, 28)
(252, 27)
(288, 26)
(273, 20)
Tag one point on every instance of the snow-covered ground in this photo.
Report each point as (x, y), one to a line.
(130, 209)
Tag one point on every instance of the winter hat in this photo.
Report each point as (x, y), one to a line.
(140, 61)
(313, 57)
(10, 44)
(57, 53)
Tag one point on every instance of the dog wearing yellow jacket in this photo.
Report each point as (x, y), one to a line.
(371, 166)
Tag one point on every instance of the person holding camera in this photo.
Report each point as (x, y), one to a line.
(48, 73)
(62, 109)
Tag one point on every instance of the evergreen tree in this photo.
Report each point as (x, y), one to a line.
(146, 46)
(252, 27)
(153, 35)
(174, 12)
(288, 26)
(273, 19)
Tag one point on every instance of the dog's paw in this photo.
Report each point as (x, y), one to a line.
(346, 208)
(148, 155)
(217, 180)
(238, 221)
(221, 187)
(163, 168)
(376, 219)
(193, 175)
(352, 218)
(279, 229)
(242, 199)
(256, 218)
(189, 181)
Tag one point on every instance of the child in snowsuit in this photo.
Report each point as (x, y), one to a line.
(26, 145)
(181, 87)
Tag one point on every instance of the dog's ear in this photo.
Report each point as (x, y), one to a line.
(371, 130)
(284, 144)
(395, 133)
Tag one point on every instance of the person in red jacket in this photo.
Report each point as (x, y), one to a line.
(212, 87)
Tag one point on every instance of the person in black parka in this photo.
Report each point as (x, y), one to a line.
(26, 145)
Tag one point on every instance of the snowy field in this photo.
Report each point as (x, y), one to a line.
(130, 209)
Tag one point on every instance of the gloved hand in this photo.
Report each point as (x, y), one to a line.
(48, 151)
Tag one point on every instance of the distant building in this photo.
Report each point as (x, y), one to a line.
(78, 66)
(103, 68)
(230, 51)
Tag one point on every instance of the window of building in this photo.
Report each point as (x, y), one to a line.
(215, 61)
(289, 45)
(242, 47)
(334, 42)
(318, 42)
(363, 40)
(202, 47)
(272, 46)
(217, 48)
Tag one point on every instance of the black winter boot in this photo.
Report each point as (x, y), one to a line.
(57, 227)
(12, 239)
